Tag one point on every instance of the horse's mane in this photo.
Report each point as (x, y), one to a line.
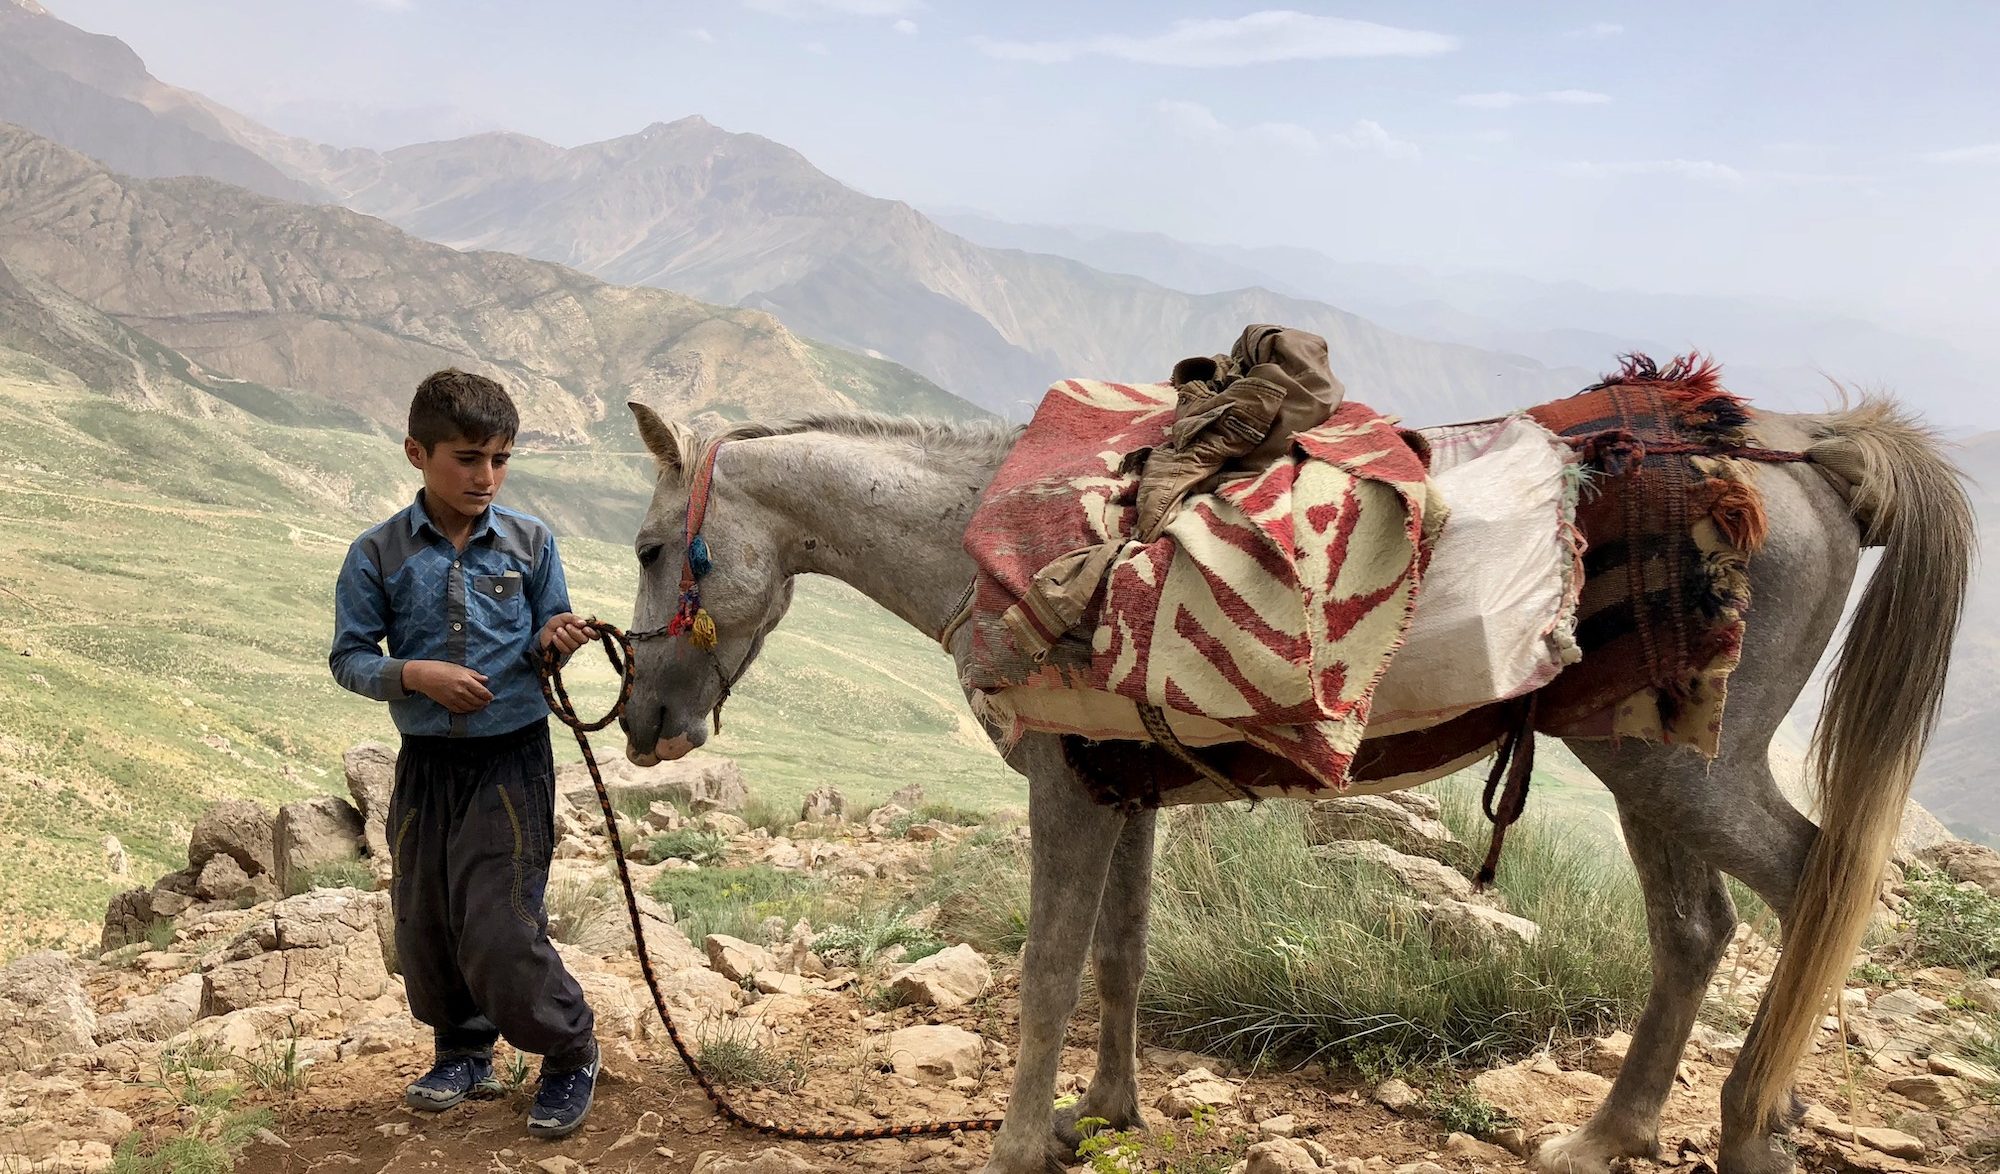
(977, 439)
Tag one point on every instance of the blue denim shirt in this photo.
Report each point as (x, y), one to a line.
(404, 582)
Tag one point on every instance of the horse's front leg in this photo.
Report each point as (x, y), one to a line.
(1073, 840)
(1118, 962)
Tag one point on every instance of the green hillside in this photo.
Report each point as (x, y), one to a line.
(165, 587)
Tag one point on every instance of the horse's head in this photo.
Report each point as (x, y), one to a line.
(744, 591)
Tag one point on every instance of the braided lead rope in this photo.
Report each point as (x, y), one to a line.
(618, 649)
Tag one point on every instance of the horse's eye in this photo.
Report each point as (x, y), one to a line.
(648, 555)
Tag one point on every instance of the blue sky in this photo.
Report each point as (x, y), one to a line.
(1844, 153)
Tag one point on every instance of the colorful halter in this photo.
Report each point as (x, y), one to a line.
(690, 618)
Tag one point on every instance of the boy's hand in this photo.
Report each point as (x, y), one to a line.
(566, 631)
(453, 686)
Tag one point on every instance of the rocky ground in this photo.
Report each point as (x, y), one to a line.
(226, 1014)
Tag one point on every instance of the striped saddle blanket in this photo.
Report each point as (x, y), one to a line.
(1265, 612)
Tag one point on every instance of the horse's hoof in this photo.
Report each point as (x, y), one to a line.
(1064, 1120)
(1588, 1152)
(1054, 1159)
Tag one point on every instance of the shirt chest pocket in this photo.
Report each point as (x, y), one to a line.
(499, 598)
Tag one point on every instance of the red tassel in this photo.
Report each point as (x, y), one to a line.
(1738, 511)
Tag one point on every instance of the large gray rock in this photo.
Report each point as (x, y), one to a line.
(824, 805)
(934, 1053)
(947, 979)
(1475, 931)
(313, 833)
(128, 918)
(44, 1011)
(1421, 875)
(371, 779)
(698, 783)
(160, 1015)
(319, 951)
(1965, 861)
(222, 879)
(244, 830)
(1374, 817)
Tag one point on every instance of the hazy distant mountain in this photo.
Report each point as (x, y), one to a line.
(741, 219)
(317, 303)
(1779, 352)
(93, 93)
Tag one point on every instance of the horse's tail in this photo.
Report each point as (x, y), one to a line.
(1881, 706)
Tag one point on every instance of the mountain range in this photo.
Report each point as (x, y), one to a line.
(740, 220)
(1780, 353)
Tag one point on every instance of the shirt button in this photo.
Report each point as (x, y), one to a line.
(456, 627)
(454, 564)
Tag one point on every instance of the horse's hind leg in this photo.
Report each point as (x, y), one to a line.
(1072, 844)
(1118, 962)
(1689, 920)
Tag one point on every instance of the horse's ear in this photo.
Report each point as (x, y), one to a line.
(664, 440)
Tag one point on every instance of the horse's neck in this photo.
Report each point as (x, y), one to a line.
(885, 519)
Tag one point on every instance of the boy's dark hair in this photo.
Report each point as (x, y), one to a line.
(458, 403)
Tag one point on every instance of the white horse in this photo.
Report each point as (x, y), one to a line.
(883, 505)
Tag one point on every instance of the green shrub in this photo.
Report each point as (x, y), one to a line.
(736, 901)
(1261, 949)
(695, 845)
(334, 874)
(1950, 925)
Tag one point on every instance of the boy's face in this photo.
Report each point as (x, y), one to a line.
(460, 475)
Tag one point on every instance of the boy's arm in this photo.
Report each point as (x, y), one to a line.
(548, 594)
(360, 623)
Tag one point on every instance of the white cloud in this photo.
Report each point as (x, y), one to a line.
(1192, 120)
(1699, 170)
(389, 5)
(702, 35)
(905, 26)
(1975, 154)
(1507, 99)
(817, 48)
(809, 9)
(1368, 135)
(1598, 31)
(1272, 35)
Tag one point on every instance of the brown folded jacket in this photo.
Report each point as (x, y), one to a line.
(1236, 413)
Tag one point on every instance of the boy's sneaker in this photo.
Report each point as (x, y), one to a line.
(451, 1080)
(563, 1100)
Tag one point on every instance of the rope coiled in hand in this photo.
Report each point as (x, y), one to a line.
(618, 649)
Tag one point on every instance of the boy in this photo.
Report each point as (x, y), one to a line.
(468, 594)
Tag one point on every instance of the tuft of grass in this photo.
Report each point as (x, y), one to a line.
(730, 1053)
(735, 901)
(764, 812)
(277, 1065)
(516, 1072)
(867, 934)
(695, 845)
(1950, 925)
(334, 874)
(1873, 974)
(937, 810)
(1180, 1148)
(1261, 950)
(981, 891)
(209, 1128)
(588, 913)
(1463, 1110)
(1979, 1042)
(160, 934)
(632, 808)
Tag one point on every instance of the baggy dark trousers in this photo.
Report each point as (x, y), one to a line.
(471, 825)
